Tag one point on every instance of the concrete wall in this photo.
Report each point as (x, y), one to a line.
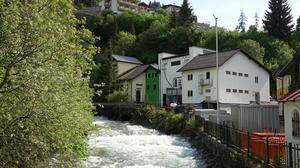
(138, 83)
(242, 64)
(124, 66)
(199, 92)
(238, 63)
(168, 72)
(289, 108)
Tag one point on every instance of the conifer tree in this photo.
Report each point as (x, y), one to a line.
(278, 20)
(186, 16)
(242, 22)
(108, 71)
(298, 25)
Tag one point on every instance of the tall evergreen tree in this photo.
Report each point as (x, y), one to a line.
(186, 16)
(278, 20)
(242, 22)
(298, 25)
(109, 72)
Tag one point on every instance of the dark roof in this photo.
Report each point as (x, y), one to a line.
(294, 96)
(133, 73)
(127, 59)
(209, 60)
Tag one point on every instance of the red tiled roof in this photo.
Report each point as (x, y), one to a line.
(294, 96)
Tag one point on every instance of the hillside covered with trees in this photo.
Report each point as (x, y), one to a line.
(144, 35)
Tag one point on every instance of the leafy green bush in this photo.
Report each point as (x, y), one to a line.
(117, 97)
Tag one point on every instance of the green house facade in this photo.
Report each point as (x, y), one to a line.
(152, 85)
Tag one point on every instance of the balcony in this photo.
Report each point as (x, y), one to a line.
(205, 82)
(174, 91)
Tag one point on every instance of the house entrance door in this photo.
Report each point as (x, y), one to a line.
(138, 96)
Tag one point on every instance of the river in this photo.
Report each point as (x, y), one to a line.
(121, 144)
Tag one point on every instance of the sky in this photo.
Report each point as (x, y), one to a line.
(228, 11)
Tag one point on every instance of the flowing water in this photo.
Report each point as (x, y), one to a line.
(121, 144)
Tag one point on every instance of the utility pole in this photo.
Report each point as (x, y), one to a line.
(217, 67)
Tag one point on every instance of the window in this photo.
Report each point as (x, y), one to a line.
(228, 90)
(179, 83)
(246, 75)
(234, 73)
(234, 90)
(207, 91)
(296, 123)
(154, 87)
(175, 83)
(240, 74)
(175, 63)
(241, 91)
(246, 91)
(190, 93)
(190, 77)
(256, 79)
(156, 74)
(207, 75)
(228, 72)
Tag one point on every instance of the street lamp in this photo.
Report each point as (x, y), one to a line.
(217, 67)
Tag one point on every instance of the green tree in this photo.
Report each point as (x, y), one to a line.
(185, 16)
(298, 25)
(109, 74)
(242, 22)
(45, 111)
(123, 43)
(278, 20)
(254, 49)
(282, 54)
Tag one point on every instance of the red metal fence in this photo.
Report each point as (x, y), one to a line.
(269, 148)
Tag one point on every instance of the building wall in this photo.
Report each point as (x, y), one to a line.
(169, 73)
(289, 107)
(242, 64)
(238, 63)
(124, 66)
(200, 93)
(152, 86)
(138, 83)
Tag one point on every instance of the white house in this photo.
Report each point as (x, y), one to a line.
(242, 80)
(126, 63)
(134, 82)
(171, 79)
(118, 6)
(292, 117)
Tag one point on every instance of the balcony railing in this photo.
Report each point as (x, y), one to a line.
(206, 82)
(174, 91)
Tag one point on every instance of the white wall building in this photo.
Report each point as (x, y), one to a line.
(171, 79)
(242, 80)
(126, 63)
(118, 6)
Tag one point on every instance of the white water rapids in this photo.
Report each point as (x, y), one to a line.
(120, 144)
